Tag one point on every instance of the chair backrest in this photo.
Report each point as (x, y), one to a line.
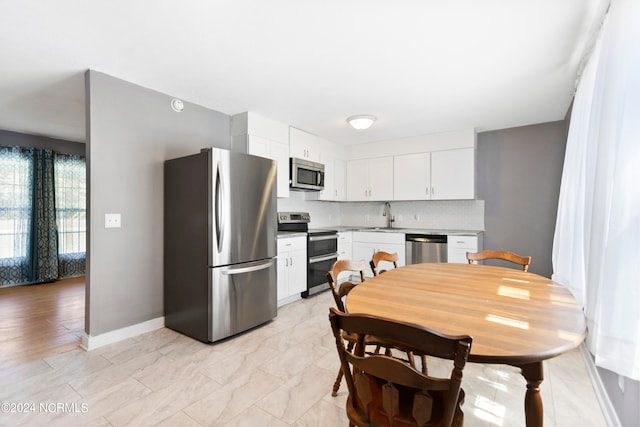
(384, 390)
(524, 261)
(383, 256)
(339, 291)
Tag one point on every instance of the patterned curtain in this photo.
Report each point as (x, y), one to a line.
(16, 175)
(71, 195)
(44, 233)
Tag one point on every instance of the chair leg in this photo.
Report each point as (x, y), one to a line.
(336, 385)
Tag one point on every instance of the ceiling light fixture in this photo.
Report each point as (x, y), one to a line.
(361, 122)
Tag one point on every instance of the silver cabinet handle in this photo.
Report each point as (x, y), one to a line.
(322, 258)
(317, 238)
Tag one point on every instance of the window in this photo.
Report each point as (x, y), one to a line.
(71, 194)
(35, 245)
(15, 203)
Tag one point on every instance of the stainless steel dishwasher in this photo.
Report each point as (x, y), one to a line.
(421, 248)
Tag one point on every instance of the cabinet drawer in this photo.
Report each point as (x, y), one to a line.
(345, 237)
(286, 244)
(467, 242)
(379, 237)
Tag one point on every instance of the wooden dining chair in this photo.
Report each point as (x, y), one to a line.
(386, 391)
(383, 256)
(340, 291)
(524, 261)
(378, 257)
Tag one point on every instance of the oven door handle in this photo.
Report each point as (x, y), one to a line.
(318, 238)
(323, 258)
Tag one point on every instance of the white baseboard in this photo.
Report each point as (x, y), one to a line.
(90, 342)
(608, 411)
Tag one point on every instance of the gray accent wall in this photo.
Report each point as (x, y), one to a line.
(131, 131)
(42, 142)
(518, 177)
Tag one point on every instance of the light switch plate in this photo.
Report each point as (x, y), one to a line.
(112, 220)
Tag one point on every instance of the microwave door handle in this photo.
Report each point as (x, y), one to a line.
(319, 178)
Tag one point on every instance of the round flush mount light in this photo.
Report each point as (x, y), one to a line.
(361, 121)
(177, 105)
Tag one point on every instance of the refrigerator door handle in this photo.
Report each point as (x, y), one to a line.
(254, 267)
(219, 197)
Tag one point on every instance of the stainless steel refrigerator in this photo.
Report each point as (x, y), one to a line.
(220, 230)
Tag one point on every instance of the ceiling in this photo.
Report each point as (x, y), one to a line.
(420, 66)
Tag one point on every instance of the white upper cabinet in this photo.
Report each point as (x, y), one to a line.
(439, 175)
(412, 177)
(453, 174)
(304, 145)
(334, 173)
(370, 179)
(260, 136)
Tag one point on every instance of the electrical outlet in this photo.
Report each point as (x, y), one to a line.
(416, 217)
(366, 218)
(112, 220)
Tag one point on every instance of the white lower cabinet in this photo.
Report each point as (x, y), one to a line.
(292, 268)
(345, 244)
(366, 243)
(458, 246)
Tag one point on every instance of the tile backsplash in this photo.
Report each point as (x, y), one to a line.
(428, 214)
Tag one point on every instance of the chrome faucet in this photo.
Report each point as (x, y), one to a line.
(387, 212)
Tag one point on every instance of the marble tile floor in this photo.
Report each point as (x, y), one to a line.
(279, 374)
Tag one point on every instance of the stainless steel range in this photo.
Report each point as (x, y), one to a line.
(322, 249)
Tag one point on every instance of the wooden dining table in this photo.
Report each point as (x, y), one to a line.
(515, 317)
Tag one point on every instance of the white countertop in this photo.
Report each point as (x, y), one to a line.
(408, 230)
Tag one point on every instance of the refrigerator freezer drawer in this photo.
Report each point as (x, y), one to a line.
(242, 296)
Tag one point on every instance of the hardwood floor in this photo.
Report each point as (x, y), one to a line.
(37, 321)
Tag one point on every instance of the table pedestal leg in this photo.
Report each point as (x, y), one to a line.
(532, 400)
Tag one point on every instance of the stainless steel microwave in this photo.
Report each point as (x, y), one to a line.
(305, 175)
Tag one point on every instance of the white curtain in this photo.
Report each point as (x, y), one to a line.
(596, 249)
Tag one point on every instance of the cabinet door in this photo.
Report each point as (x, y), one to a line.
(412, 177)
(358, 180)
(280, 153)
(345, 239)
(303, 145)
(381, 178)
(453, 174)
(283, 276)
(339, 180)
(259, 146)
(458, 246)
(297, 272)
(364, 251)
(328, 193)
